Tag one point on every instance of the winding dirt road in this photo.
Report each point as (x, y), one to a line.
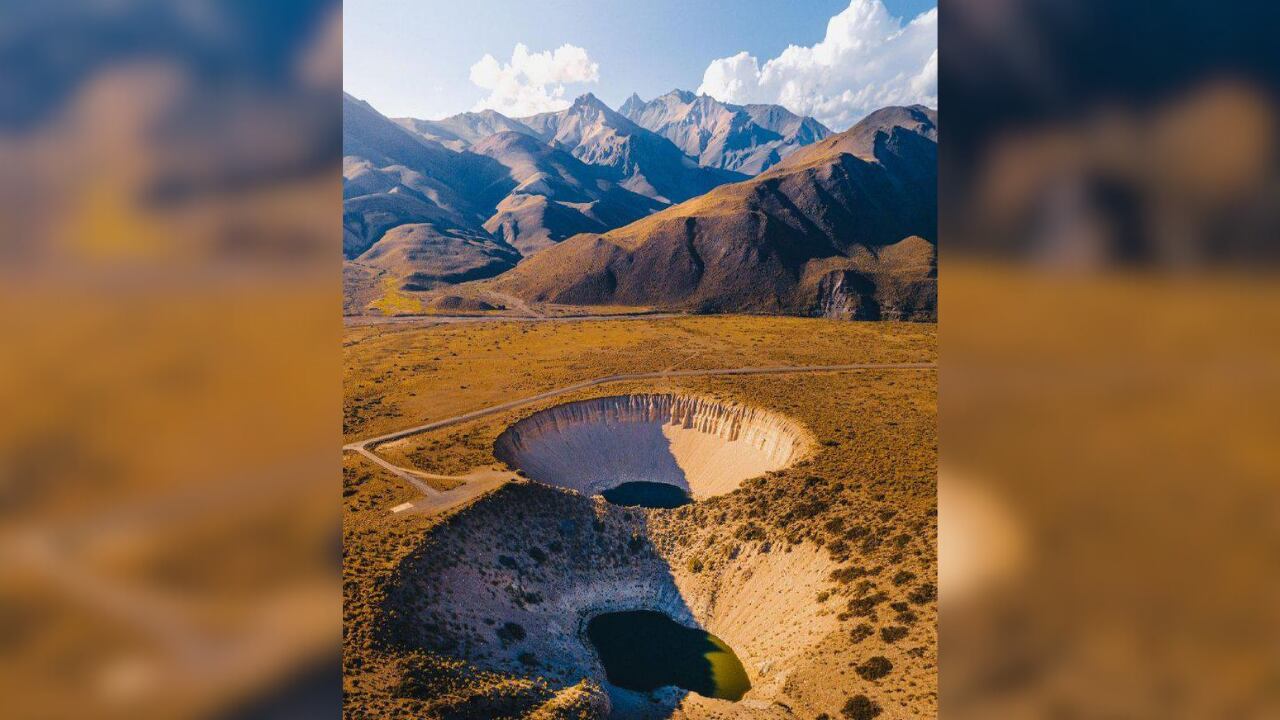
(481, 480)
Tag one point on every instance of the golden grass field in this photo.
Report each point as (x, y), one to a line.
(862, 502)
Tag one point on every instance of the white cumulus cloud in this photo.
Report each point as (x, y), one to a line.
(532, 82)
(868, 59)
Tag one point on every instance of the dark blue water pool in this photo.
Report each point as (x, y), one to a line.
(647, 494)
(644, 650)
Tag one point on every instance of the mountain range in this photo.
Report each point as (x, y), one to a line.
(744, 138)
(654, 204)
(845, 227)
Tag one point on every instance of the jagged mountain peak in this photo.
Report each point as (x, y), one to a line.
(589, 100)
(632, 104)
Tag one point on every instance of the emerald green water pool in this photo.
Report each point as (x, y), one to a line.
(644, 650)
(647, 494)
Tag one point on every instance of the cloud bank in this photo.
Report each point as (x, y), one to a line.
(867, 60)
(532, 82)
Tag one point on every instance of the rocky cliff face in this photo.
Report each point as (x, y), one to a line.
(699, 444)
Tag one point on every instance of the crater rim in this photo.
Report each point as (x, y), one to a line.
(704, 445)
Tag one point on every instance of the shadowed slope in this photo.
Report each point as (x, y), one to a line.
(425, 255)
(393, 178)
(556, 195)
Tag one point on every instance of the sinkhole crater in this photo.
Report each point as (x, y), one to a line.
(621, 446)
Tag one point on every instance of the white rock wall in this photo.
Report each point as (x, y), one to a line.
(699, 444)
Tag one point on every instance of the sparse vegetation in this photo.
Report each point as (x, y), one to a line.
(926, 593)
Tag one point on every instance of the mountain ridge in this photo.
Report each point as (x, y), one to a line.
(490, 188)
(844, 228)
(645, 162)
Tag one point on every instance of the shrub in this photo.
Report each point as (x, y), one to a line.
(926, 593)
(874, 668)
(861, 632)
(511, 632)
(810, 507)
(902, 577)
(846, 575)
(866, 606)
(425, 676)
(892, 633)
(695, 564)
(860, 707)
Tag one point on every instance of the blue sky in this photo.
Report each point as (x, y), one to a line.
(414, 57)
